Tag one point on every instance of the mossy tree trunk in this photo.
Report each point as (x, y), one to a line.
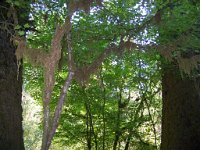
(181, 111)
(11, 133)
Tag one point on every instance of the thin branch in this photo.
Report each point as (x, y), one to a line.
(153, 124)
(4, 7)
(65, 29)
(82, 75)
(59, 107)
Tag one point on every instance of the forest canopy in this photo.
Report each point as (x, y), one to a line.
(97, 68)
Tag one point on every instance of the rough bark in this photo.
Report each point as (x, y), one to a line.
(11, 133)
(181, 109)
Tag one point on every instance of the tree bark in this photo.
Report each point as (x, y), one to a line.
(103, 108)
(58, 110)
(118, 121)
(181, 109)
(11, 133)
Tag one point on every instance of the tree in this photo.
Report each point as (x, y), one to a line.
(180, 80)
(97, 40)
(110, 31)
(11, 133)
(117, 113)
(181, 101)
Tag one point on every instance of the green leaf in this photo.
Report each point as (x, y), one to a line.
(21, 33)
(9, 1)
(17, 27)
(26, 25)
(17, 3)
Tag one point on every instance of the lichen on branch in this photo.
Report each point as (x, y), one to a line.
(83, 74)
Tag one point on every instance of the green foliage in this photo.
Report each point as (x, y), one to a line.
(123, 98)
(31, 122)
(181, 25)
(117, 74)
(182, 19)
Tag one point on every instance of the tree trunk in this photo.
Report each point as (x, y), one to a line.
(128, 141)
(181, 111)
(11, 133)
(117, 130)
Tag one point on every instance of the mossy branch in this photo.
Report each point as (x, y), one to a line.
(82, 74)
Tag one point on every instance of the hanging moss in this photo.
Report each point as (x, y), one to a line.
(40, 57)
(84, 5)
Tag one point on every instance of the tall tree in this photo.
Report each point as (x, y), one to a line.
(181, 102)
(180, 80)
(11, 133)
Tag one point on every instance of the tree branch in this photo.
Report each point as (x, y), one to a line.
(60, 104)
(66, 28)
